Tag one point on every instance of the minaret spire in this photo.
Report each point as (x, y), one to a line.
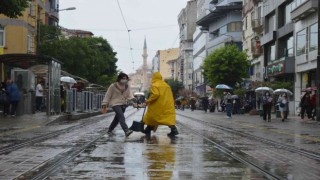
(145, 65)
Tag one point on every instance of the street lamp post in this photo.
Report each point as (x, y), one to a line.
(318, 72)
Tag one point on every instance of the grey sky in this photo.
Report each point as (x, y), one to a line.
(154, 19)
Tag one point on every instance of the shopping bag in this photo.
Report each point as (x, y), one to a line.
(138, 125)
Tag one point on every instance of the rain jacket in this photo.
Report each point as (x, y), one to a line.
(161, 109)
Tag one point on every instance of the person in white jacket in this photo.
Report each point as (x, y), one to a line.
(116, 97)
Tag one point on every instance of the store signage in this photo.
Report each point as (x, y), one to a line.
(275, 69)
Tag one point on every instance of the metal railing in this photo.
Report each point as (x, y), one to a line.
(85, 101)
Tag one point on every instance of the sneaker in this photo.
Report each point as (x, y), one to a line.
(110, 133)
(128, 132)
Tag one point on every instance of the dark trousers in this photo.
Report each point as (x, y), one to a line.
(6, 108)
(229, 109)
(14, 105)
(38, 103)
(266, 111)
(306, 109)
(119, 118)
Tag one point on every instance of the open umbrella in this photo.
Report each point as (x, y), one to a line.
(67, 79)
(282, 91)
(223, 86)
(309, 89)
(234, 96)
(262, 90)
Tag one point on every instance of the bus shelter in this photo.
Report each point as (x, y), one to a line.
(23, 69)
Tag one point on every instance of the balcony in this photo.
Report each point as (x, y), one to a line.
(304, 9)
(266, 38)
(284, 30)
(257, 25)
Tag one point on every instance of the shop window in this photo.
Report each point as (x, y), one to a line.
(301, 42)
(313, 37)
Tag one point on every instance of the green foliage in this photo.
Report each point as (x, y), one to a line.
(175, 85)
(90, 58)
(241, 92)
(226, 65)
(13, 8)
(280, 84)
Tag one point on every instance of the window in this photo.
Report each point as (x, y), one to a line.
(190, 76)
(301, 42)
(271, 24)
(290, 47)
(223, 30)
(287, 14)
(272, 52)
(30, 43)
(234, 27)
(2, 37)
(313, 37)
(31, 8)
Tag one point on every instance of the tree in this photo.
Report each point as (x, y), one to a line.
(13, 8)
(226, 65)
(90, 58)
(175, 85)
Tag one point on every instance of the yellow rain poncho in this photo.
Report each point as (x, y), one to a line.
(161, 109)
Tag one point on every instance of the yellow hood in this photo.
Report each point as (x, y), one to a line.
(156, 77)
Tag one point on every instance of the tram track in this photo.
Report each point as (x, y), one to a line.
(43, 137)
(290, 148)
(238, 154)
(53, 165)
(233, 155)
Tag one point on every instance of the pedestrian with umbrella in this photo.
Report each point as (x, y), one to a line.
(283, 106)
(266, 106)
(228, 100)
(306, 105)
(283, 96)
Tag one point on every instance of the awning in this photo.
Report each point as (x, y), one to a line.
(25, 61)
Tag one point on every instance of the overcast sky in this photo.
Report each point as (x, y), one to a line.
(154, 19)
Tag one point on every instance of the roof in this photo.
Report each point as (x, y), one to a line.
(25, 61)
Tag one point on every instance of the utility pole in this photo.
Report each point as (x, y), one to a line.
(318, 71)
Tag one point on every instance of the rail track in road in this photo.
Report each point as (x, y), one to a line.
(43, 137)
(246, 157)
(290, 148)
(54, 164)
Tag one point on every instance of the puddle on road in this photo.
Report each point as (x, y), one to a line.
(155, 157)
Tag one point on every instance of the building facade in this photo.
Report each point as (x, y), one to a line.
(223, 24)
(252, 20)
(186, 21)
(165, 62)
(304, 14)
(20, 35)
(199, 50)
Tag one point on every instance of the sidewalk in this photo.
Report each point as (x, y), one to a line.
(31, 121)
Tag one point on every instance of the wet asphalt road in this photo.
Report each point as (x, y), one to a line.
(186, 156)
(191, 155)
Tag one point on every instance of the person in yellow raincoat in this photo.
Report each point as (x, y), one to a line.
(161, 110)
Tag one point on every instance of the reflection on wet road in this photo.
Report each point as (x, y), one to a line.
(187, 156)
